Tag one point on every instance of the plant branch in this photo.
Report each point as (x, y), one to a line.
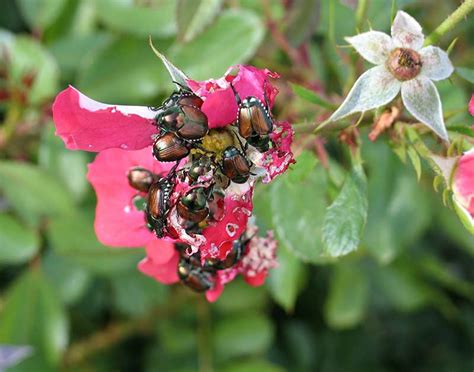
(453, 19)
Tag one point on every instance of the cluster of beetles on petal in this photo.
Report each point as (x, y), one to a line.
(182, 126)
(205, 147)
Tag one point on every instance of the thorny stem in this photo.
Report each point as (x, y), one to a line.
(453, 19)
(204, 336)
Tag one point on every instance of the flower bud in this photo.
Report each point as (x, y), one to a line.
(463, 189)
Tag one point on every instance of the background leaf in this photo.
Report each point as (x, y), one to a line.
(241, 31)
(40, 321)
(18, 243)
(346, 217)
(194, 15)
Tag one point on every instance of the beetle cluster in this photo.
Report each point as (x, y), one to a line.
(201, 276)
(182, 128)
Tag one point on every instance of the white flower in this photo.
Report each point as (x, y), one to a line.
(402, 64)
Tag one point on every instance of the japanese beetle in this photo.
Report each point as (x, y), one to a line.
(169, 147)
(158, 205)
(235, 165)
(200, 167)
(141, 178)
(193, 205)
(181, 114)
(193, 275)
(253, 117)
(261, 143)
(234, 255)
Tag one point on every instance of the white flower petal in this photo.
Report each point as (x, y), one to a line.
(407, 32)
(374, 88)
(374, 46)
(421, 98)
(436, 63)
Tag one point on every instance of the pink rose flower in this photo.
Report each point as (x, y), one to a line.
(123, 136)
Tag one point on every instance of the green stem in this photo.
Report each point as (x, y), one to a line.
(360, 13)
(453, 19)
(204, 336)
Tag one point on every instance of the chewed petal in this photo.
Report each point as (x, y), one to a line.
(220, 104)
(407, 32)
(117, 221)
(237, 210)
(374, 88)
(85, 124)
(276, 160)
(435, 63)
(166, 272)
(421, 99)
(374, 46)
(259, 258)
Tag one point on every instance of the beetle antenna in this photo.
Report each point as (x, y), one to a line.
(172, 171)
(237, 97)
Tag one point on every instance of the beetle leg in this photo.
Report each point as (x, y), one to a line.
(237, 97)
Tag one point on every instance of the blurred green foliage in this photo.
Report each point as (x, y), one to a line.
(402, 296)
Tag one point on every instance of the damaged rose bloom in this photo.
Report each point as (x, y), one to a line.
(179, 179)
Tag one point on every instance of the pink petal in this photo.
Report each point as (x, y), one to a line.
(277, 160)
(85, 124)
(117, 222)
(471, 105)
(160, 251)
(464, 181)
(213, 294)
(166, 273)
(220, 235)
(256, 280)
(220, 104)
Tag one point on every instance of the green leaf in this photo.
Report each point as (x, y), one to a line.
(156, 17)
(234, 37)
(239, 297)
(415, 161)
(28, 58)
(252, 365)
(72, 51)
(194, 15)
(303, 19)
(306, 163)
(39, 14)
(462, 129)
(311, 96)
(466, 73)
(286, 280)
(32, 192)
(346, 217)
(402, 289)
(73, 237)
(247, 334)
(69, 279)
(18, 243)
(69, 167)
(136, 294)
(399, 208)
(32, 315)
(298, 214)
(124, 71)
(348, 296)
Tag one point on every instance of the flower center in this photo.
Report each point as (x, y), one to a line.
(404, 63)
(217, 140)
